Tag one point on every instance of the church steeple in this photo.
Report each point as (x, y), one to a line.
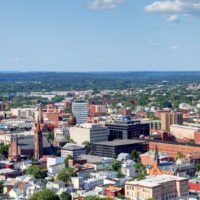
(38, 140)
(156, 157)
(155, 170)
(13, 153)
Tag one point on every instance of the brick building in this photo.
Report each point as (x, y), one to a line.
(173, 148)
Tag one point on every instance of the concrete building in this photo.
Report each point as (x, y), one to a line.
(182, 131)
(23, 112)
(88, 132)
(115, 147)
(160, 187)
(73, 150)
(125, 128)
(167, 119)
(97, 110)
(80, 111)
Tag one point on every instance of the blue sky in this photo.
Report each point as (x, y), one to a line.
(99, 35)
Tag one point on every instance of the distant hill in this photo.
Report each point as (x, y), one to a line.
(48, 81)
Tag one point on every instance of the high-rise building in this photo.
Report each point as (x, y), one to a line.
(80, 111)
(125, 128)
(167, 119)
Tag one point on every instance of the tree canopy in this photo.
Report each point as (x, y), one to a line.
(37, 171)
(65, 196)
(65, 175)
(45, 194)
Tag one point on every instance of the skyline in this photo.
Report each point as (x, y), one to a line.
(74, 36)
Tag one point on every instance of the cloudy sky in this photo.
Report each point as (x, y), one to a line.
(99, 35)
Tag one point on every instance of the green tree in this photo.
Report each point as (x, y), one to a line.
(120, 196)
(45, 194)
(4, 149)
(69, 157)
(197, 166)
(116, 165)
(120, 174)
(96, 198)
(166, 104)
(65, 196)
(88, 146)
(66, 174)
(50, 136)
(1, 187)
(37, 171)
(135, 155)
(140, 171)
(180, 155)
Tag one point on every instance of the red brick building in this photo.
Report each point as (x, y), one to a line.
(197, 137)
(194, 184)
(172, 149)
(148, 158)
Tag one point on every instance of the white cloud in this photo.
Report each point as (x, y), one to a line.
(172, 8)
(153, 44)
(104, 4)
(172, 18)
(15, 60)
(174, 47)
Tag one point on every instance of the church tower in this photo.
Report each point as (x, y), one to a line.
(155, 170)
(38, 139)
(13, 153)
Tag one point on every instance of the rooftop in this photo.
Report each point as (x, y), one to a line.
(72, 147)
(120, 142)
(28, 142)
(94, 159)
(155, 181)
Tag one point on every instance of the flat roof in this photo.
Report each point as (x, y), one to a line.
(120, 142)
(155, 181)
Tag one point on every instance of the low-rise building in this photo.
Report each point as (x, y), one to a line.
(183, 131)
(160, 187)
(97, 162)
(128, 168)
(91, 183)
(73, 150)
(115, 147)
(148, 158)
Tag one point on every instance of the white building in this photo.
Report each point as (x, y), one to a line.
(80, 111)
(54, 169)
(91, 183)
(53, 160)
(23, 112)
(182, 131)
(128, 168)
(89, 132)
(60, 134)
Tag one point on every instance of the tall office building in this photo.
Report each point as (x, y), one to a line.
(125, 128)
(80, 111)
(167, 119)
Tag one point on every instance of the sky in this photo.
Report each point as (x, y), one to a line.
(99, 35)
